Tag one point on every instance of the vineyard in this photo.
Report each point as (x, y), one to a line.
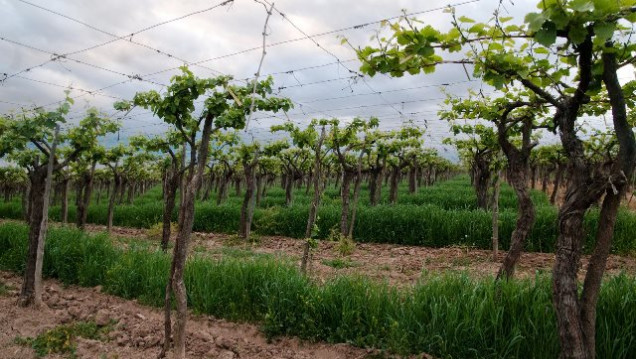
(441, 215)
(494, 218)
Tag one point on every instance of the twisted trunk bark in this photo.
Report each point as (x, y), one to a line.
(173, 179)
(356, 195)
(412, 180)
(131, 192)
(576, 316)
(259, 188)
(525, 220)
(267, 183)
(375, 186)
(565, 284)
(99, 194)
(41, 178)
(518, 172)
(122, 190)
(345, 196)
(495, 218)
(26, 206)
(186, 221)
(557, 184)
(208, 187)
(313, 209)
(533, 177)
(111, 200)
(65, 185)
(482, 176)
(237, 186)
(84, 196)
(597, 263)
(31, 291)
(395, 178)
(247, 208)
(289, 187)
(624, 171)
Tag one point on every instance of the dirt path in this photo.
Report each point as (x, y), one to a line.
(138, 329)
(397, 264)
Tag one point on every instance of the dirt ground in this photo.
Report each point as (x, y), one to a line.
(397, 264)
(138, 330)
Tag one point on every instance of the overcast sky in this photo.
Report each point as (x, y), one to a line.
(211, 38)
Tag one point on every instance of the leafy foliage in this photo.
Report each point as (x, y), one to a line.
(62, 339)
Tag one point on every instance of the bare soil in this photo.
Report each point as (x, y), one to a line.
(139, 329)
(397, 264)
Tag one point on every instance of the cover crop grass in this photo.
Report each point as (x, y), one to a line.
(437, 216)
(449, 316)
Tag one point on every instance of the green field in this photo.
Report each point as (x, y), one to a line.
(437, 216)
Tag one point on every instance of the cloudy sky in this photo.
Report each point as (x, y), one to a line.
(48, 46)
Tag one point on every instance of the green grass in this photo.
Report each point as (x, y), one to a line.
(340, 263)
(448, 316)
(436, 216)
(237, 253)
(63, 338)
(4, 289)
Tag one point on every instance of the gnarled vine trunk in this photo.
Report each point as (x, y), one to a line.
(557, 184)
(518, 173)
(111, 199)
(525, 220)
(223, 187)
(393, 189)
(186, 221)
(31, 292)
(576, 315)
(289, 187)
(84, 196)
(345, 196)
(356, 195)
(171, 186)
(40, 178)
(495, 217)
(247, 208)
(259, 188)
(375, 185)
(65, 184)
(313, 209)
(412, 179)
(481, 179)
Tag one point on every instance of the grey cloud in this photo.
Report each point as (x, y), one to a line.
(219, 32)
